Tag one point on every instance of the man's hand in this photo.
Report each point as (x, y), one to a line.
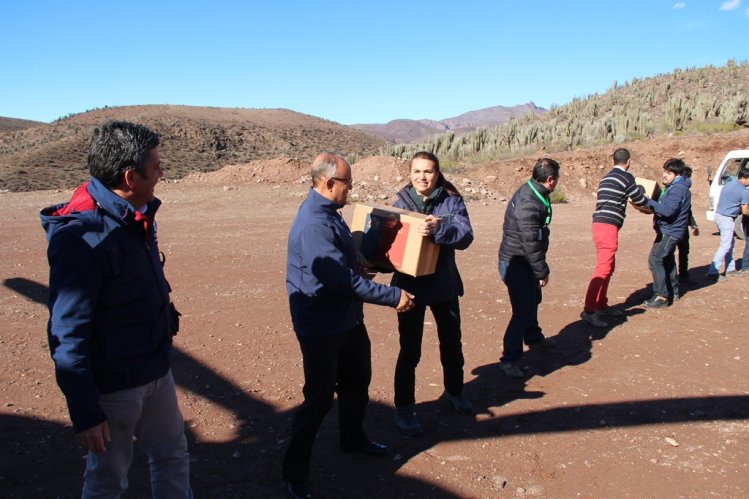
(696, 231)
(429, 226)
(406, 302)
(94, 439)
(543, 282)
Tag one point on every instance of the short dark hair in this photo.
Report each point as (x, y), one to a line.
(687, 172)
(118, 146)
(545, 168)
(743, 172)
(674, 165)
(621, 156)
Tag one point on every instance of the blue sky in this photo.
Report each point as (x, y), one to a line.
(349, 61)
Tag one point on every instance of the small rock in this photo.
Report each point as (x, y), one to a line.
(671, 441)
(583, 183)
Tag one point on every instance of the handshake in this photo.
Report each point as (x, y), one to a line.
(406, 302)
(368, 270)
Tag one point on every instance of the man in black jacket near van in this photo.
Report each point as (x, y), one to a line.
(522, 262)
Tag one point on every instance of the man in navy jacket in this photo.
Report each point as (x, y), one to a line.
(670, 220)
(326, 294)
(111, 322)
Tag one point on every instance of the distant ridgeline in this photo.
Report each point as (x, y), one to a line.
(696, 100)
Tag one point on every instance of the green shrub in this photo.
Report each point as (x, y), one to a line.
(558, 197)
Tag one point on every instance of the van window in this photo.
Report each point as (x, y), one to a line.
(732, 170)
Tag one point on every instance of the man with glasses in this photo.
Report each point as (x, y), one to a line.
(326, 294)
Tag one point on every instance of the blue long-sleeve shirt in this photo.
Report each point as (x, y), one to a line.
(326, 291)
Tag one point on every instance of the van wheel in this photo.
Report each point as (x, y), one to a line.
(738, 228)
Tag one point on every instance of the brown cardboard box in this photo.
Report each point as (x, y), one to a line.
(652, 190)
(387, 237)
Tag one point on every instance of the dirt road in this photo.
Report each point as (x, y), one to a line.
(655, 406)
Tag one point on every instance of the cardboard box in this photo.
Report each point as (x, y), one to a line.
(387, 237)
(652, 190)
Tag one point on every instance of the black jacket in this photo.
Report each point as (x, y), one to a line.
(525, 234)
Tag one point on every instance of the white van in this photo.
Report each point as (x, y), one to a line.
(726, 172)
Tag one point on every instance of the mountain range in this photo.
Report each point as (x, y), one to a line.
(405, 131)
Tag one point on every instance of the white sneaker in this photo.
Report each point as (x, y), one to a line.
(593, 319)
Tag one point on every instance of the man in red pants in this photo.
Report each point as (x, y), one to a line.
(611, 205)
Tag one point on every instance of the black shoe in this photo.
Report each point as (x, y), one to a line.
(298, 490)
(459, 403)
(656, 302)
(368, 448)
(544, 344)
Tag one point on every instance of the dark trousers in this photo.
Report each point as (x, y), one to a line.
(339, 363)
(683, 247)
(411, 332)
(525, 297)
(662, 264)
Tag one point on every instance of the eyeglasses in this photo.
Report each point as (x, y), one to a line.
(349, 182)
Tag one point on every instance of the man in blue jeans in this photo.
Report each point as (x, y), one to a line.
(734, 201)
(745, 258)
(522, 263)
(670, 221)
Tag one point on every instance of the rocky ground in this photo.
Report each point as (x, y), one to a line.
(656, 405)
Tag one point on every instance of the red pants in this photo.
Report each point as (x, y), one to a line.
(606, 239)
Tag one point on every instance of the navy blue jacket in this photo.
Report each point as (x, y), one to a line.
(672, 208)
(109, 327)
(326, 291)
(454, 232)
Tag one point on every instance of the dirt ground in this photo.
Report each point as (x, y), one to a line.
(657, 405)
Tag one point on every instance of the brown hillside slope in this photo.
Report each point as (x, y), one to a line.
(378, 178)
(8, 124)
(194, 139)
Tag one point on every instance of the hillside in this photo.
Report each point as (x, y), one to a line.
(9, 124)
(194, 139)
(403, 131)
(691, 101)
